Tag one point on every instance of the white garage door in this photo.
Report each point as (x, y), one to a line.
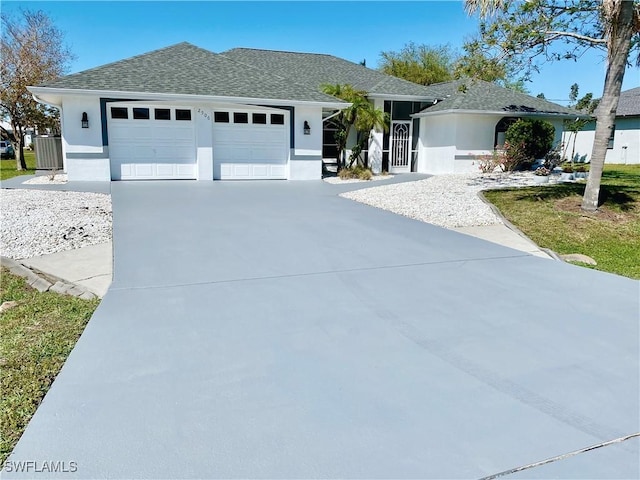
(250, 145)
(151, 142)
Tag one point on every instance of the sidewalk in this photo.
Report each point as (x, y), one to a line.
(503, 235)
(90, 267)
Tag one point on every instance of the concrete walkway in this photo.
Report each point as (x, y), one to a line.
(273, 329)
(91, 267)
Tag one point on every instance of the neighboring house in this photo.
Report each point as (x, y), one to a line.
(624, 145)
(186, 112)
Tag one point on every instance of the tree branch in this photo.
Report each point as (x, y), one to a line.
(584, 38)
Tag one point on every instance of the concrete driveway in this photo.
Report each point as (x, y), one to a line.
(275, 330)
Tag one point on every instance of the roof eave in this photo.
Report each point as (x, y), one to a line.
(52, 92)
(413, 98)
(427, 113)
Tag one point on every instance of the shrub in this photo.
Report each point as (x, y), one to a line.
(358, 172)
(488, 163)
(508, 159)
(567, 167)
(535, 137)
(514, 157)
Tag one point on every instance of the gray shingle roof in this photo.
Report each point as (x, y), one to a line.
(629, 104)
(189, 70)
(314, 70)
(478, 95)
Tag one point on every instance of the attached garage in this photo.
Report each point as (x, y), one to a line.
(151, 142)
(183, 112)
(250, 144)
(160, 142)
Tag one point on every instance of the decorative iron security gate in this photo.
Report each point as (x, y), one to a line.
(400, 147)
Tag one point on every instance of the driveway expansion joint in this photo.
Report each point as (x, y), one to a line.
(321, 273)
(561, 457)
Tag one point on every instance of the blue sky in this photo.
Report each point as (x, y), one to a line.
(103, 32)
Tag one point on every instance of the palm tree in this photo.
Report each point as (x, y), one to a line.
(360, 114)
(368, 119)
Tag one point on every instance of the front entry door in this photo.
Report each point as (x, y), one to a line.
(400, 147)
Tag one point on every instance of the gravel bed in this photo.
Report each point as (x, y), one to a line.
(446, 200)
(39, 222)
(58, 179)
(338, 180)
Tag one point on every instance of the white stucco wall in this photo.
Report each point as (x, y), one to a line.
(311, 144)
(75, 138)
(305, 161)
(376, 143)
(626, 142)
(436, 148)
(204, 141)
(474, 136)
(84, 157)
(451, 142)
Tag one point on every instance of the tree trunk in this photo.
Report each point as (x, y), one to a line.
(21, 164)
(573, 147)
(619, 45)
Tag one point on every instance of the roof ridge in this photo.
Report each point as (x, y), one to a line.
(277, 51)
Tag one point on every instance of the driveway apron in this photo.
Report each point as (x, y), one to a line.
(276, 330)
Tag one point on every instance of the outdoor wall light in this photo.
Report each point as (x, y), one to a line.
(85, 120)
(307, 128)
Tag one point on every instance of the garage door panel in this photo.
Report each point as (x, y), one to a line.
(149, 148)
(250, 151)
(252, 171)
(142, 153)
(271, 155)
(155, 171)
(261, 170)
(241, 154)
(164, 170)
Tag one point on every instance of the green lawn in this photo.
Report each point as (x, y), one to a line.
(8, 167)
(551, 217)
(36, 337)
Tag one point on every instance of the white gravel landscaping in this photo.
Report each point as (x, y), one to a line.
(338, 180)
(446, 200)
(39, 222)
(57, 179)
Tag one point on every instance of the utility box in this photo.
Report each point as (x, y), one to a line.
(48, 153)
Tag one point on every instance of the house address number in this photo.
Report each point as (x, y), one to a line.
(204, 114)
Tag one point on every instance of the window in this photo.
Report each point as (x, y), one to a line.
(501, 131)
(612, 137)
(162, 114)
(183, 115)
(141, 113)
(277, 119)
(401, 110)
(119, 112)
(259, 118)
(221, 117)
(239, 117)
